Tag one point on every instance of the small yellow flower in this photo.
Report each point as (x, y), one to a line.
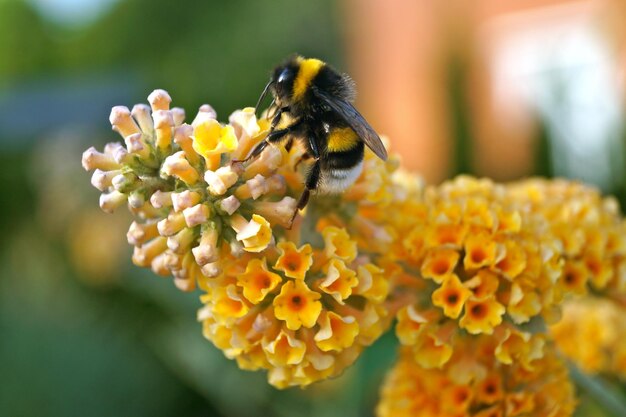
(482, 316)
(456, 398)
(255, 235)
(483, 285)
(490, 389)
(336, 332)
(297, 305)
(432, 352)
(339, 244)
(480, 250)
(451, 296)
(285, 349)
(210, 139)
(292, 261)
(575, 278)
(439, 263)
(339, 280)
(373, 284)
(257, 281)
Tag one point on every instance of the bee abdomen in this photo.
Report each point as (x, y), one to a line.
(337, 180)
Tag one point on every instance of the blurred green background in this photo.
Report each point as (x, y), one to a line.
(82, 331)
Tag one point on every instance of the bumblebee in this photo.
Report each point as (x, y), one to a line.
(312, 103)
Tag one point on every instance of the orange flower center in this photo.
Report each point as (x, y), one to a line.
(441, 267)
(478, 255)
(292, 262)
(297, 302)
(452, 298)
(479, 311)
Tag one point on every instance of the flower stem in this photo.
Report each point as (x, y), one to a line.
(600, 391)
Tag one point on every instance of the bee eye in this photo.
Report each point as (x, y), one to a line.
(284, 75)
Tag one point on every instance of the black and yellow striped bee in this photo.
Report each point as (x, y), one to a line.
(313, 104)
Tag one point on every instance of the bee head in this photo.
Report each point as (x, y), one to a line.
(281, 84)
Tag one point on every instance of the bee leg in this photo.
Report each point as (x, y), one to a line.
(277, 115)
(312, 180)
(272, 137)
(301, 159)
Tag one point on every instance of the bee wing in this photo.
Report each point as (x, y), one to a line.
(356, 121)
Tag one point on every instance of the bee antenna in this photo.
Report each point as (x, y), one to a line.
(263, 94)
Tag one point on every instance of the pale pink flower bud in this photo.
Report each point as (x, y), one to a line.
(93, 159)
(141, 113)
(159, 100)
(172, 224)
(139, 233)
(122, 122)
(136, 199)
(185, 199)
(220, 180)
(182, 136)
(204, 112)
(110, 201)
(211, 270)
(159, 265)
(135, 144)
(163, 124)
(229, 204)
(265, 164)
(196, 215)
(207, 251)
(160, 199)
(178, 115)
(181, 241)
(144, 254)
(177, 166)
(277, 212)
(102, 179)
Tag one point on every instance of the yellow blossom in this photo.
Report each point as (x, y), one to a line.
(297, 305)
(336, 332)
(292, 261)
(255, 234)
(338, 244)
(257, 281)
(210, 139)
(451, 296)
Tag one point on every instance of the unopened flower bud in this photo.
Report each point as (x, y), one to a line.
(172, 224)
(204, 112)
(122, 122)
(102, 179)
(185, 199)
(211, 270)
(229, 204)
(277, 212)
(196, 215)
(136, 145)
(143, 255)
(181, 241)
(182, 136)
(141, 113)
(206, 251)
(93, 159)
(160, 199)
(110, 201)
(159, 100)
(177, 166)
(136, 199)
(178, 115)
(219, 181)
(265, 164)
(139, 233)
(159, 265)
(124, 183)
(163, 124)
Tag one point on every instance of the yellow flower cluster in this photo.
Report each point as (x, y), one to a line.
(592, 335)
(304, 312)
(589, 228)
(474, 384)
(478, 259)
